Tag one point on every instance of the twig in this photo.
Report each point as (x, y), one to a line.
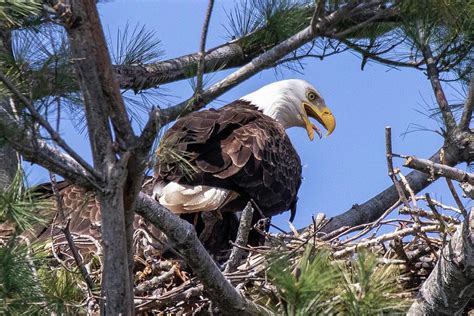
(202, 49)
(372, 242)
(241, 239)
(376, 56)
(429, 215)
(149, 285)
(439, 204)
(391, 171)
(77, 256)
(437, 169)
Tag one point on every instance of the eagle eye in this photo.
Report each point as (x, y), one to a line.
(311, 96)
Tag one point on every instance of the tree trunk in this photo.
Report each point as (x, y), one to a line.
(116, 274)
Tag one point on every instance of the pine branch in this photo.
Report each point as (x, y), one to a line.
(161, 117)
(226, 56)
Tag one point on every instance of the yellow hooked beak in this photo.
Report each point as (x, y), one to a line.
(323, 115)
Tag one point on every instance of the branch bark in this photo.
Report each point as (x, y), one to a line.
(450, 285)
(436, 169)
(184, 239)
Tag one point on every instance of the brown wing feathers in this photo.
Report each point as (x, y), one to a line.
(238, 148)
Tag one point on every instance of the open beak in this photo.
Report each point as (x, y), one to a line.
(323, 115)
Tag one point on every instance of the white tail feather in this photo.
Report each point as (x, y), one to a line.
(181, 198)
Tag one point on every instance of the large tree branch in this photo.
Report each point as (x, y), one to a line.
(92, 62)
(450, 285)
(229, 55)
(184, 239)
(160, 117)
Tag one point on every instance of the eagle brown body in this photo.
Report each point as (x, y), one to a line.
(237, 148)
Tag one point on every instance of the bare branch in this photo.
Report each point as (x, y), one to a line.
(185, 240)
(436, 169)
(450, 285)
(468, 106)
(371, 242)
(202, 49)
(433, 75)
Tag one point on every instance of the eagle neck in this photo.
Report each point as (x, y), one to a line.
(278, 108)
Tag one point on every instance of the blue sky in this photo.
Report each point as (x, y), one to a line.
(346, 168)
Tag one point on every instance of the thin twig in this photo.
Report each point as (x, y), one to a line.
(391, 171)
(455, 195)
(202, 49)
(372, 242)
(241, 239)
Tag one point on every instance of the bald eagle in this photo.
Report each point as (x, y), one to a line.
(240, 152)
(216, 160)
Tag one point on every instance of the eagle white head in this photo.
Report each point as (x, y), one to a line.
(292, 102)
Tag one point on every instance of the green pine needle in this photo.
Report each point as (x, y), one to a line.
(21, 207)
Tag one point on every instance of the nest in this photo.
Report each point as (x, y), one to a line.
(165, 285)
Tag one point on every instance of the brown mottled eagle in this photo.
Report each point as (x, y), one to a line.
(239, 152)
